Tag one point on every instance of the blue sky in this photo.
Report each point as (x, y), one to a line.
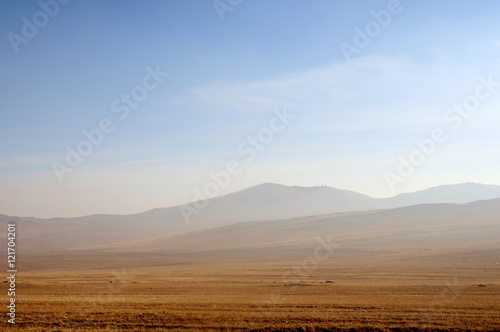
(353, 117)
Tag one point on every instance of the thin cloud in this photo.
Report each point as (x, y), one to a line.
(386, 92)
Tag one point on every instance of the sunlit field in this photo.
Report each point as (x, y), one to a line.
(262, 297)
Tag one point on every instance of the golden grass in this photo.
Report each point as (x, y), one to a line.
(261, 297)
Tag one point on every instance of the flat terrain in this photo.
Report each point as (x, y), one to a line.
(337, 294)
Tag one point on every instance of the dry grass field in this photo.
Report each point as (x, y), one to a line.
(337, 295)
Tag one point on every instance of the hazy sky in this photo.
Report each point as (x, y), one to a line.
(362, 80)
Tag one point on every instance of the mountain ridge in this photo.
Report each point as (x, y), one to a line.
(258, 203)
(457, 193)
(400, 233)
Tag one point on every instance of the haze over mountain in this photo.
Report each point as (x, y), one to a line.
(457, 193)
(262, 202)
(438, 227)
(274, 201)
(428, 232)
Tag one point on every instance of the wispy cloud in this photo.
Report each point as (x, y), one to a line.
(370, 92)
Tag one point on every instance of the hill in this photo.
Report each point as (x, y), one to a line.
(263, 202)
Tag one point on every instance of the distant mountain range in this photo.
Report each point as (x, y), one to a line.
(436, 229)
(263, 202)
(274, 201)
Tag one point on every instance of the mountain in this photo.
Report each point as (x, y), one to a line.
(457, 193)
(273, 201)
(263, 202)
(422, 226)
(424, 232)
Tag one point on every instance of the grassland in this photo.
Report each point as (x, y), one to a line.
(337, 295)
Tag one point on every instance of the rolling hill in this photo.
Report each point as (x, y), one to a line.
(437, 227)
(263, 202)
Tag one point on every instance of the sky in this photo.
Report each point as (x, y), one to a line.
(119, 107)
